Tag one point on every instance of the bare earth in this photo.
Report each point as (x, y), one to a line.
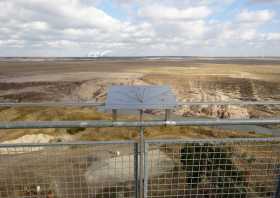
(53, 169)
(191, 79)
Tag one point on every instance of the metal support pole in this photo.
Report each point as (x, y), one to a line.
(114, 114)
(277, 194)
(141, 168)
(146, 169)
(276, 152)
(167, 114)
(136, 170)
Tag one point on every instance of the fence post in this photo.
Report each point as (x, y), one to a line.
(146, 169)
(141, 167)
(136, 169)
(277, 191)
(277, 152)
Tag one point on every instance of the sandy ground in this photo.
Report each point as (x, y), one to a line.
(60, 80)
(190, 79)
(33, 74)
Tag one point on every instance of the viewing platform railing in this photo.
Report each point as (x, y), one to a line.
(230, 167)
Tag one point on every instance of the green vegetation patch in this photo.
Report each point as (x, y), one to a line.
(213, 166)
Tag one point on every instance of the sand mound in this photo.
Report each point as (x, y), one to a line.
(32, 138)
(121, 168)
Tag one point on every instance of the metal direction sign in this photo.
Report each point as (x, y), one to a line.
(140, 97)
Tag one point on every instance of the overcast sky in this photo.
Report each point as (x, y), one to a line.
(139, 27)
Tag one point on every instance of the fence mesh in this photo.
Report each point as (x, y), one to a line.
(184, 168)
(62, 171)
(213, 168)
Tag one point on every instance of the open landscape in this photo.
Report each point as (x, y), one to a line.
(139, 99)
(191, 79)
(72, 169)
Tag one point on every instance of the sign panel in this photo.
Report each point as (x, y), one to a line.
(140, 97)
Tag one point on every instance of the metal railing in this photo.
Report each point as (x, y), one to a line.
(96, 104)
(104, 123)
(170, 168)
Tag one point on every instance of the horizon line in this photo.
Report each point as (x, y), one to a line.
(167, 56)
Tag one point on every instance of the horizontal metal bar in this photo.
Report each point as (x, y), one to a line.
(104, 123)
(94, 104)
(231, 103)
(214, 140)
(52, 104)
(78, 143)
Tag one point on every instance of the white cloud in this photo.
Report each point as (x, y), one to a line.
(62, 44)
(194, 28)
(65, 13)
(160, 12)
(36, 25)
(273, 36)
(265, 1)
(248, 35)
(151, 27)
(12, 43)
(260, 16)
(99, 53)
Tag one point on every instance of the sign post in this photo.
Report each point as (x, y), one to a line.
(140, 98)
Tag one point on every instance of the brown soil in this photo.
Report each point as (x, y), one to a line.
(191, 80)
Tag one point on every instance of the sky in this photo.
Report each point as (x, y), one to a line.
(82, 28)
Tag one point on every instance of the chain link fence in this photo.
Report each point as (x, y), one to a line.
(74, 170)
(172, 168)
(213, 168)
